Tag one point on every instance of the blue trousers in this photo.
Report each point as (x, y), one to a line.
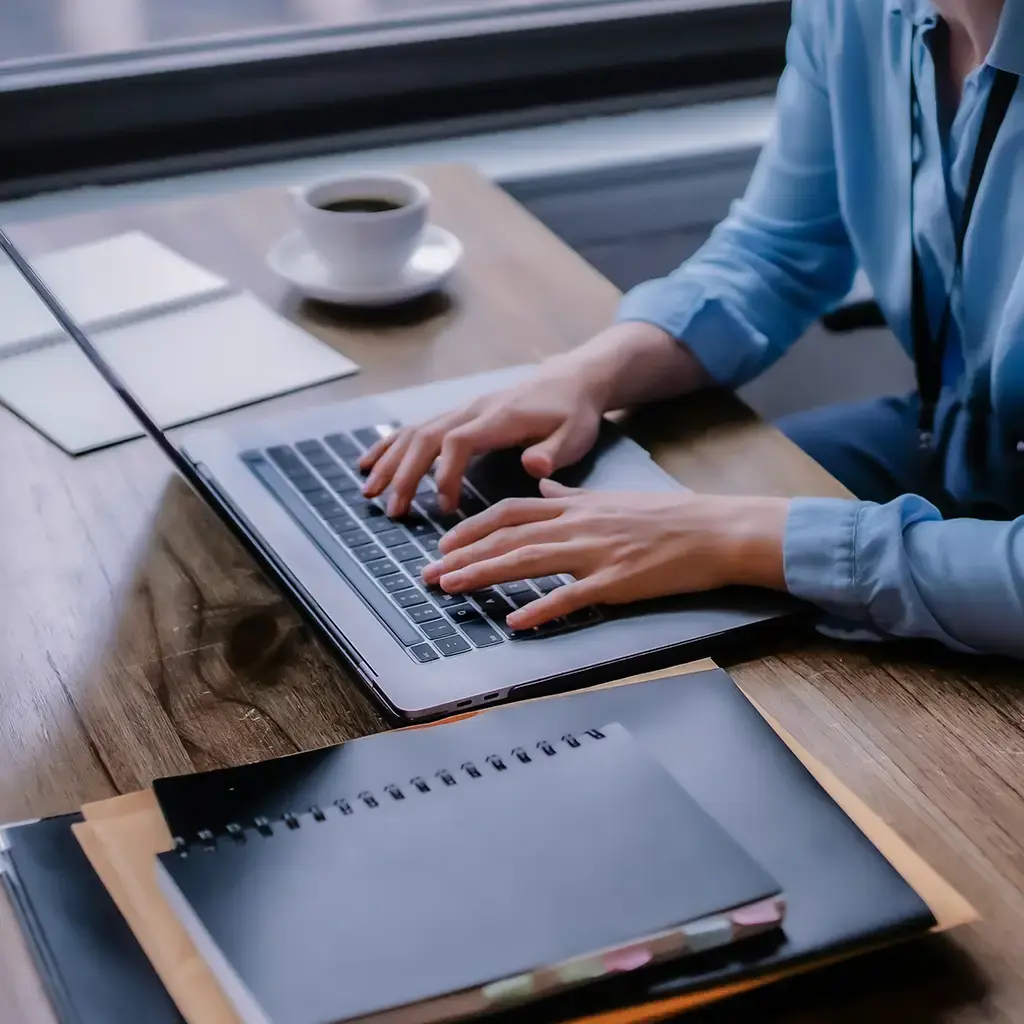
(871, 447)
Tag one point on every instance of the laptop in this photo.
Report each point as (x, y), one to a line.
(289, 488)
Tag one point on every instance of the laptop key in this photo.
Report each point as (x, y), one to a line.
(419, 527)
(432, 545)
(436, 630)
(443, 600)
(464, 613)
(548, 583)
(342, 445)
(408, 598)
(430, 505)
(340, 520)
(522, 600)
(470, 504)
(424, 653)
(285, 457)
(368, 552)
(328, 508)
(583, 617)
(482, 633)
(415, 565)
(421, 613)
(354, 537)
(381, 567)
(369, 436)
(518, 587)
(407, 553)
(392, 584)
(306, 482)
(323, 463)
(343, 485)
(378, 525)
(368, 511)
(449, 645)
(315, 453)
(491, 602)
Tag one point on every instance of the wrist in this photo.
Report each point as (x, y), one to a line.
(752, 538)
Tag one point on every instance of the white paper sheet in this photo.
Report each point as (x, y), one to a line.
(184, 365)
(100, 284)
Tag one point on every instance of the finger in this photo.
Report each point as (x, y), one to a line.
(485, 433)
(510, 512)
(384, 469)
(508, 538)
(553, 489)
(563, 601)
(533, 560)
(568, 444)
(417, 459)
(377, 449)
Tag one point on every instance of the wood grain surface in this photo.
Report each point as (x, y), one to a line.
(137, 639)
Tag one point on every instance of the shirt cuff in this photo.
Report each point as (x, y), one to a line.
(820, 554)
(722, 341)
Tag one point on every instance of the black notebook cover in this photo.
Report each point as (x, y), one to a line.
(93, 969)
(475, 872)
(841, 892)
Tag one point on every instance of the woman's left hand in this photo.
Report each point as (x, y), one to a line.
(619, 547)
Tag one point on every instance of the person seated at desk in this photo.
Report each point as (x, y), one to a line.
(869, 163)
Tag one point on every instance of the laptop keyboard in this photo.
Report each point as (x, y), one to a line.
(318, 482)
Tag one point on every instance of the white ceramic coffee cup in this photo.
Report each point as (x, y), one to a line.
(364, 247)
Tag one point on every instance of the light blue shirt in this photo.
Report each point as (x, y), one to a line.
(831, 193)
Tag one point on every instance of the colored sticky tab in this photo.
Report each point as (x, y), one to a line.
(707, 934)
(509, 988)
(581, 970)
(628, 959)
(758, 915)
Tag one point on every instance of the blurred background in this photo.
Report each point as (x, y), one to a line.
(628, 126)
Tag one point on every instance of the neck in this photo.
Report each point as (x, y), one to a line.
(972, 25)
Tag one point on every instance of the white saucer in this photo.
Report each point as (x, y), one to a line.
(293, 259)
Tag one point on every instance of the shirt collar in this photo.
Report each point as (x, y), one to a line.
(1007, 51)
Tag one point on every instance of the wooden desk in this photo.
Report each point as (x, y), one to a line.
(139, 640)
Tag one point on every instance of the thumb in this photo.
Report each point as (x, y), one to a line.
(566, 445)
(553, 489)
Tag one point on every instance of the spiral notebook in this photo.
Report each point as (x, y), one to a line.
(467, 880)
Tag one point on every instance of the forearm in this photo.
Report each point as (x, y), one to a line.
(634, 363)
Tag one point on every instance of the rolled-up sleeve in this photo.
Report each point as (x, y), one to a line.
(905, 571)
(782, 256)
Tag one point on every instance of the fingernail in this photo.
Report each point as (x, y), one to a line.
(431, 571)
(450, 581)
(392, 509)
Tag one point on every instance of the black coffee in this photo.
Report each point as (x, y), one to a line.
(361, 206)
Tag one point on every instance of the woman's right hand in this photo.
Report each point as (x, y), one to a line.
(556, 413)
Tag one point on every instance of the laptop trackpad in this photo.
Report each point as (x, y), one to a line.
(615, 463)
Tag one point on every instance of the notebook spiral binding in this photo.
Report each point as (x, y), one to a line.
(239, 833)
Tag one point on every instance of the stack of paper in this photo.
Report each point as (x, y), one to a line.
(186, 343)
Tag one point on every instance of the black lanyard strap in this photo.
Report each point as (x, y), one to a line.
(928, 351)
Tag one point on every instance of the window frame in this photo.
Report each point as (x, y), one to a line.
(264, 95)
